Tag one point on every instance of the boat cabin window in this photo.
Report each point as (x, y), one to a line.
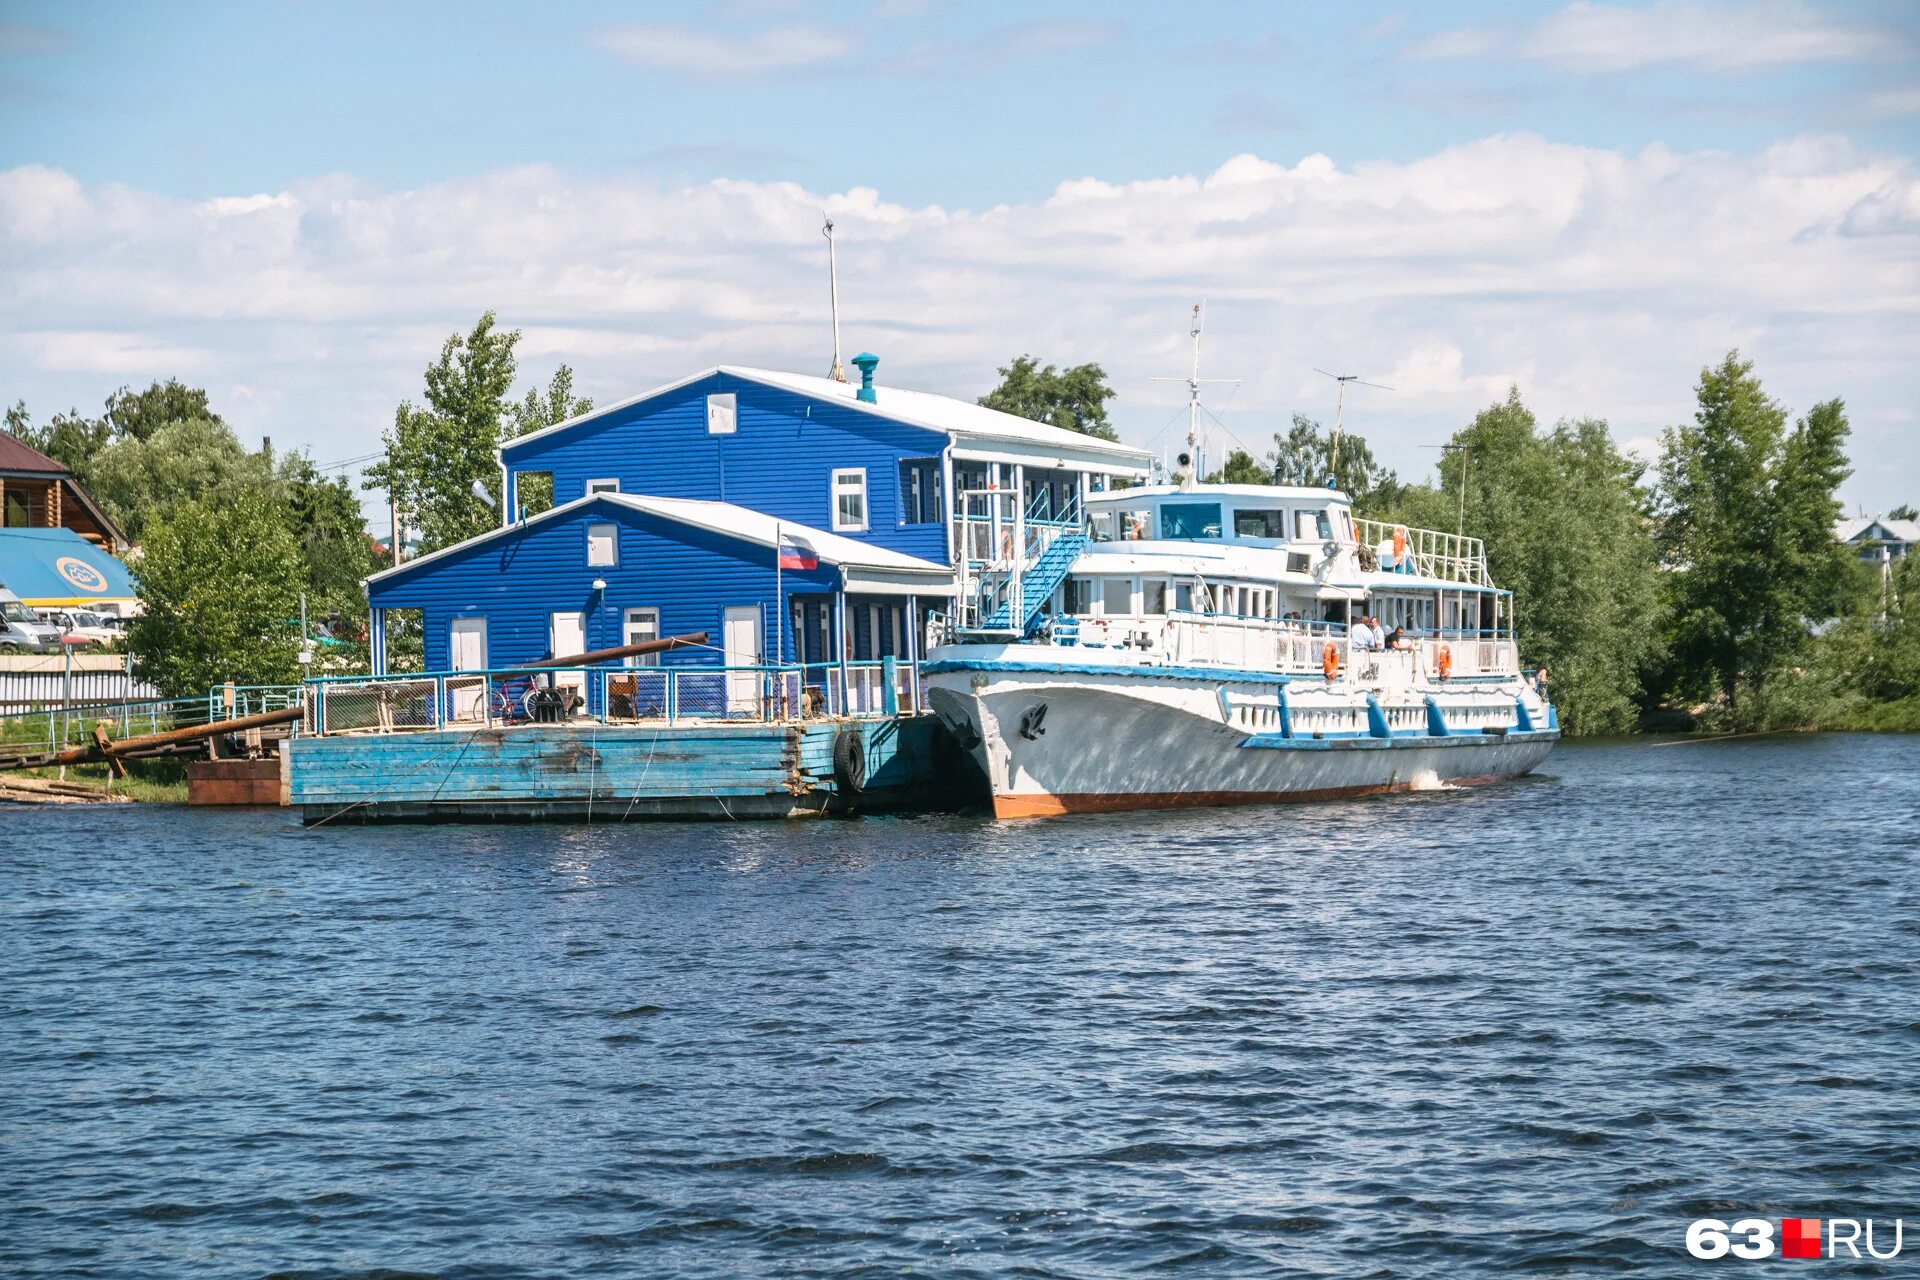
(1190, 520)
(1313, 526)
(1153, 596)
(1117, 596)
(1260, 522)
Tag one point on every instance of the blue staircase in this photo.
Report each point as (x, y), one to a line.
(1038, 582)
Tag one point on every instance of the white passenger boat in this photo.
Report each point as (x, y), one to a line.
(1200, 645)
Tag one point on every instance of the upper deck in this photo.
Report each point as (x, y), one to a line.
(1314, 527)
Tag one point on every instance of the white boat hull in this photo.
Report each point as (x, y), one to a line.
(1114, 739)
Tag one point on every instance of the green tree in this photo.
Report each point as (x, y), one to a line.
(438, 451)
(1241, 468)
(1746, 508)
(1304, 455)
(139, 481)
(536, 412)
(1563, 520)
(219, 584)
(140, 414)
(1074, 398)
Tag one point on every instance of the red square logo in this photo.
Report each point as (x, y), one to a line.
(1799, 1237)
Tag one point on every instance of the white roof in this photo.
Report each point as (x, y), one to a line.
(1903, 530)
(964, 421)
(868, 567)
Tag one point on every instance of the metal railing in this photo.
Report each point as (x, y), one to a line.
(1450, 557)
(683, 694)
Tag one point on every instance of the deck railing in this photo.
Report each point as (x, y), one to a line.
(689, 694)
(1451, 557)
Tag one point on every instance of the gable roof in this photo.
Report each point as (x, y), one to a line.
(871, 563)
(966, 422)
(1901, 530)
(17, 456)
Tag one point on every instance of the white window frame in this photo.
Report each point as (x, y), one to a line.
(723, 413)
(866, 508)
(627, 618)
(606, 484)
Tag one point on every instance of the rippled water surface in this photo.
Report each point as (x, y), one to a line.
(1535, 1027)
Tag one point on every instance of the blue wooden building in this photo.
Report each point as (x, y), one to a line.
(669, 508)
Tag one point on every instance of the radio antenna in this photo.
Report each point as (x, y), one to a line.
(838, 373)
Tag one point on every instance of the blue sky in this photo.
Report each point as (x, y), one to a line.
(291, 202)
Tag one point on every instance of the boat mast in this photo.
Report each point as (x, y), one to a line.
(838, 373)
(1195, 462)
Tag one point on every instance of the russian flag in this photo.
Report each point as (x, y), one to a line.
(795, 553)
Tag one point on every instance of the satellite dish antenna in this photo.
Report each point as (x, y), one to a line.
(1339, 406)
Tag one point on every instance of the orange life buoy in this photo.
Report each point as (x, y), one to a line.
(1443, 661)
(1399, 545)
(1330, 659)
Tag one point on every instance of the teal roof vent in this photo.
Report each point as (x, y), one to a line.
(867, 362)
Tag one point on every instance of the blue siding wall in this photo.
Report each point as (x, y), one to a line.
(780, 460)
(517, 580)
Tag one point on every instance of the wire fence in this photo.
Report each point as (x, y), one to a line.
(612, 695)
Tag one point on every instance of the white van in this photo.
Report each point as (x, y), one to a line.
(21, 629)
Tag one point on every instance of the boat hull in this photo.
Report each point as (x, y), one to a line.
(1123, 740)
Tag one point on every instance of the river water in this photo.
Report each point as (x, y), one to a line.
(1535, 1027)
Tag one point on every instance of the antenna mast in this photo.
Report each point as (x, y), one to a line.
(1195, 463)
(837, 373)
(1339, 409)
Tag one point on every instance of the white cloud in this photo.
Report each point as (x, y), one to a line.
(1713, 35)
(1600, 280)
(697, 51)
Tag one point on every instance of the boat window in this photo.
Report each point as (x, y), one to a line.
(1153, 596)
(1260, 522)
(1313, 525)
(1076, 596)
(1190, 520)
(1117, 597)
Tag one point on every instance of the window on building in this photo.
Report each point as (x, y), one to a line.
(920, 491)
(534, 491)
(1260, 522)
(850, 500)
(641, 625)
(602, 545)
(1190, 520)
(723, 414)
(602, 486)
(1116, 596)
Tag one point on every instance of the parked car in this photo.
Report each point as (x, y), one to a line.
(85, 624)
(21, 630)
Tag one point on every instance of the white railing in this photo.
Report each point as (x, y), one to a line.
(1430, 553)
(683, 694)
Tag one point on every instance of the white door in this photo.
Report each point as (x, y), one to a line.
(566, 637)
(741, 636)
(467, 642)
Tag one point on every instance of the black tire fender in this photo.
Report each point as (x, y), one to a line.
(850, 761)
